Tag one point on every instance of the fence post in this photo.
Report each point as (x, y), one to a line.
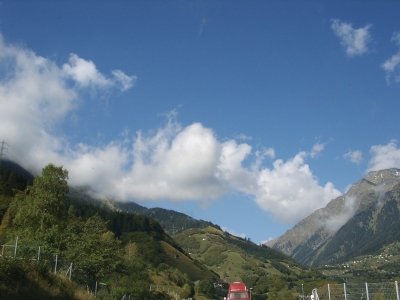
(38, 255)
(70, 271)
(397, 290)
(329, 292)
(344, 289)
(55, 266)
(314, 293)
(366, 289)
(15, 247)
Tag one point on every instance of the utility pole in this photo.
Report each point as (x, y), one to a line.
(2, 148)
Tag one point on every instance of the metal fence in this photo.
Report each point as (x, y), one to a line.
(57, 265)
(358, 291)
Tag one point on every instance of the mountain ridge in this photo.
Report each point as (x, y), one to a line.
(172, 221)
(310, 238)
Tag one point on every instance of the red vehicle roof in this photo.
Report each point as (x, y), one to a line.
(238, 290)
(237, 286)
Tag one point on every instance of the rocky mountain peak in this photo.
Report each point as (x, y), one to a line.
(310, 235)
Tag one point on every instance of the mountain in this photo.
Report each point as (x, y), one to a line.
(362, 220)
(171, 221)
(13, 167)
(97, 231)
(263, 269)
(128, 252)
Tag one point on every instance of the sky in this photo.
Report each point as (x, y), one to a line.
(248, 114)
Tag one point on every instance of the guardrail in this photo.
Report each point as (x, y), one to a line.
(358, 291)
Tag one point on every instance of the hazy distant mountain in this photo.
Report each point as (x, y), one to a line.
(16, 168)
(362, 220)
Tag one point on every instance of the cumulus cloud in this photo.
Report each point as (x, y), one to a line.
(174, 162)
(290, 191)
(355, 41)
(85, 74)
(384, 157)
(354, 156)
(36, 95)
(391, 65)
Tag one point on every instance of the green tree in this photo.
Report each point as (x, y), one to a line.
(93, 249)
(205, 287)
(187, 291)
(40, 216)
(285, 294)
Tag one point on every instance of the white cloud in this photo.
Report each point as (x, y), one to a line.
(355, 41)
(266, 241)
(242, 235)
(384, 157)
(391, 65)
(354, 156)
(124, 80)
(85, 74)
(36, 95)
(243, 137)
(334, 223)
(290, 191)
(316, 149)
(347, 188)
(175, 162)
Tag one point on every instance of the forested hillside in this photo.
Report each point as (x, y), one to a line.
(171, 221)
(112, 253)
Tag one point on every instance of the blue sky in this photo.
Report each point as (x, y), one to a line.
(248, 114)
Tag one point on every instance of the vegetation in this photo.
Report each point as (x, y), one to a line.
(171, 221)
(268, 272)
(25, 279)
(116, 253)
(112, 253)
(375, 267)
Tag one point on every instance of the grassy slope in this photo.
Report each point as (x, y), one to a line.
(213, 247)
(185, 264)
(383, 265)
(29, 282)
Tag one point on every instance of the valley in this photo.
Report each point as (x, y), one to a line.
(172, 255)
